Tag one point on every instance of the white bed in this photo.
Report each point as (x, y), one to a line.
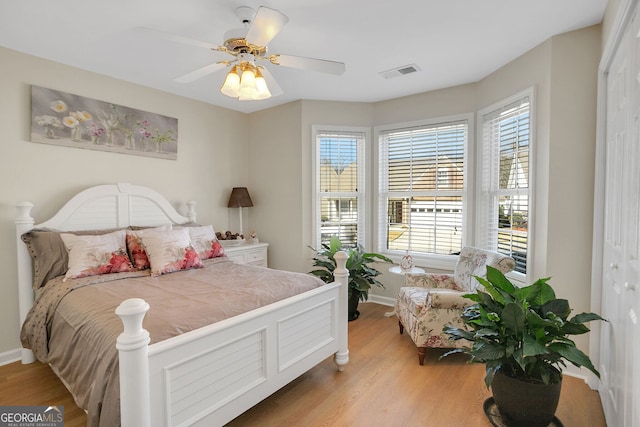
(283, 340)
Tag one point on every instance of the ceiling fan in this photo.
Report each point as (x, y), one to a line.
(247, 78)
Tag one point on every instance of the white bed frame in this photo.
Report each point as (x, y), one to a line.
(213, 374)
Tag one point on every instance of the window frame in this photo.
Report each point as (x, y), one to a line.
(364, 133)
(436, 261)
(480, 227)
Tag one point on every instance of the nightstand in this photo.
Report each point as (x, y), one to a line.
(248, 253)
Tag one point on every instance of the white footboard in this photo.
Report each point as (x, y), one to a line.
(211, 375)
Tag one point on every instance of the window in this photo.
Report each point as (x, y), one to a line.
(422, 188)
(339, 201)
(504, 200)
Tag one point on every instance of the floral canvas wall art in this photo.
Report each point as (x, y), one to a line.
(69, 120)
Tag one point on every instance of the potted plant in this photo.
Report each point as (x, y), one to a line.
(361, 275)
(521, 335)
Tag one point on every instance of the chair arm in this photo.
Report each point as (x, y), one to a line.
(429, 280)
(448, 300)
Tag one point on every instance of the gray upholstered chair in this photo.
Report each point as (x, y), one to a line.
(429, 301)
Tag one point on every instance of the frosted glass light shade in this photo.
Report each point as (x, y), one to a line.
(261, 86)
(248, 88)
(231, 84)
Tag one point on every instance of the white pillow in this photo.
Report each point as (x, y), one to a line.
(170, 251)
(93, 255)
(205, 242)
(136, 249)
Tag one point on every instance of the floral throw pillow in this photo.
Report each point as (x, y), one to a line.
(170, 251)
(93, 255)
(205, 242)
(137, 251)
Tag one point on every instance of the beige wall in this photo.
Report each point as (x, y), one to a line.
(270, 152)
(610, 15)
(210, 139)
(573, 93)
(275, 168)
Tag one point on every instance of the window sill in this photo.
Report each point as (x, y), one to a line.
(445, 263)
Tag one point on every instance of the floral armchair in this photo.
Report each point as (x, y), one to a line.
(429, 301)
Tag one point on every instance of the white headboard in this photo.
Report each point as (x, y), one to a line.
(100, 207)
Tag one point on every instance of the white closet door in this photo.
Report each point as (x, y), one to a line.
(620, 348)
(631, 196)
(612, 338)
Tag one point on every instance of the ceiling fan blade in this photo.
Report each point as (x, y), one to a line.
(265, 26)
(321, 65)
(176, 38)
(273, 86)
(200, 72)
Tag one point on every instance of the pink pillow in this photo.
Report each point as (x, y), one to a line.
(170, 251)
(136, 249)
(205, 242)
(93, 255)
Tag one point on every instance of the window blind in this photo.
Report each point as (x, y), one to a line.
(339, 186)
(422, 187)
(504, 199)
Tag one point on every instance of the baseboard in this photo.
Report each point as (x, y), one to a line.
(378, 299)
(10, 356)
(582, 373)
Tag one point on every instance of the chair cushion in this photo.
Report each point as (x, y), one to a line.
(415, 299)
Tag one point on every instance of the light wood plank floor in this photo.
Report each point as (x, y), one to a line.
(382, 385)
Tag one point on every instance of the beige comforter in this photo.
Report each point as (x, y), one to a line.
(73, 325)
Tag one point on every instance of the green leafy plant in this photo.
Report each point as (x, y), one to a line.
(523, 332)
(361, 275)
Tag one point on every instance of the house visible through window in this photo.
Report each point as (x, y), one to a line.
(422, 188)
(504, 201)
(442, 179)
(339, 185)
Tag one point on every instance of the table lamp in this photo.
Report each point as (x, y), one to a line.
(240, 199)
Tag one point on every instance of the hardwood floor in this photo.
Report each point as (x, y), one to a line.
(35, 384)
(382, 385)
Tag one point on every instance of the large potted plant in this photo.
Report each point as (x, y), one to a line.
(361, 275)
(521, 335)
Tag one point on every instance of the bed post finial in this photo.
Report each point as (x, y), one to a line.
(133, 349)
(341, 275)
(24, 213)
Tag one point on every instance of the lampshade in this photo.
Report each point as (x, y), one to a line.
(240, 198)
(261, 85)
(231, 83)
(248, 89)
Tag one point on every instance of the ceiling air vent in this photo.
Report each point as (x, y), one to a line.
(400, 71)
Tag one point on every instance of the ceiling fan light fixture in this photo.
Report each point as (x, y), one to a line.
(231, 84)
(245, 81)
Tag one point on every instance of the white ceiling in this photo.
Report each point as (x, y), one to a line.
(453, 42)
